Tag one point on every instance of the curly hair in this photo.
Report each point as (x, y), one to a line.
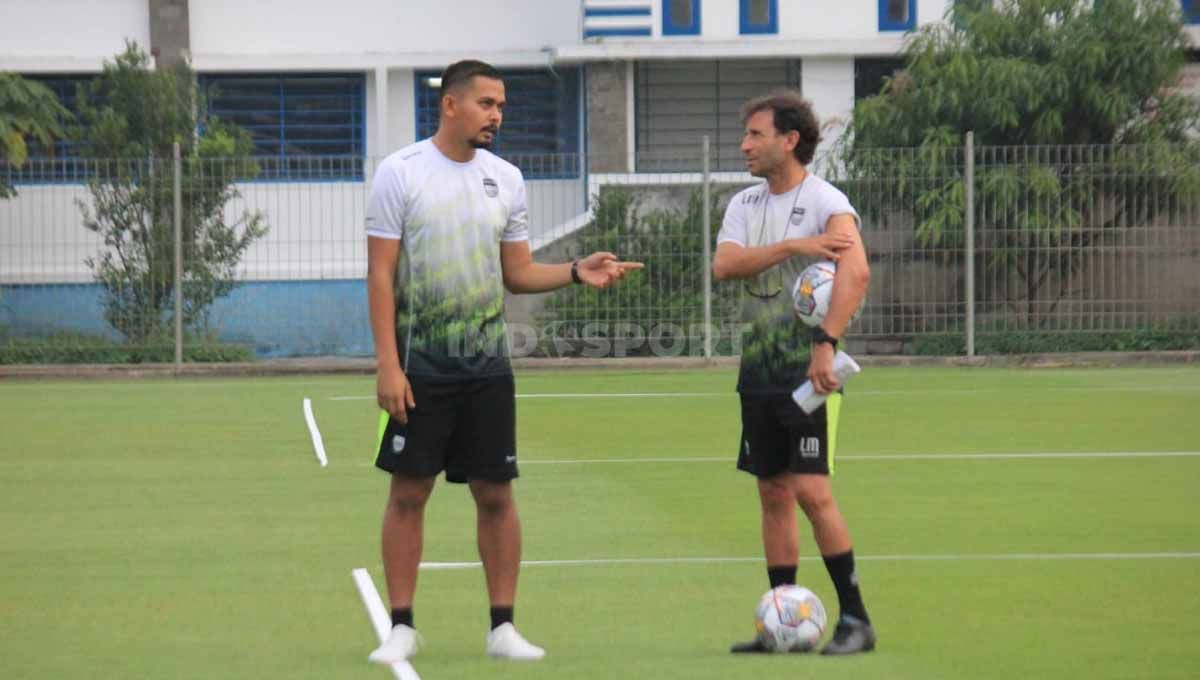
(791, 112)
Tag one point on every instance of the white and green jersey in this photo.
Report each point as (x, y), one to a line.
(775, 348)
(451, 218)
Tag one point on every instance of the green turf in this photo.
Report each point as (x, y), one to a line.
(182, 529)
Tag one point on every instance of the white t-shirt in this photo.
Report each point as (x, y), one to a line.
(775, 344)
(756, 217)
(451, 218)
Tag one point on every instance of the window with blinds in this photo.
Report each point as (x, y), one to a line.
(540, 131)
(678, 102)
(304, 126)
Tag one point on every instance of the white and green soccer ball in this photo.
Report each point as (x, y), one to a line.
(812, 292)
(790, 618)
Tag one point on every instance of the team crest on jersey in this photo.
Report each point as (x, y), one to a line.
(490, 188)
(797, 216)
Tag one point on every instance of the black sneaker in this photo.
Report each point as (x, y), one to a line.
(756, 646)
(852, 636)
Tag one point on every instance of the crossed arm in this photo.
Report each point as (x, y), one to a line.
(840, 243)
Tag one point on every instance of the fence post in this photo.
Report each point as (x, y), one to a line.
(177, 194)
(969, 226)
(706, 266)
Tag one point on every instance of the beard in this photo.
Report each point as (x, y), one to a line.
(763, 166)
(479, 142)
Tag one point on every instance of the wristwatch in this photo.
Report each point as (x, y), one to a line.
(575, 272)
(819, 335)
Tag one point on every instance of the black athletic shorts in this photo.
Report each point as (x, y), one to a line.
(466, 428)
(778, 437)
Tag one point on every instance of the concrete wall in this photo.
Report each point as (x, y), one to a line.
(609, 116)
(824, 19)
(273, 318)
(170, 31)
(68, 35)
(828, 82)
(286, 27)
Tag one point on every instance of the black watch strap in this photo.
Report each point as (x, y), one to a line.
(819, 335)
(575, 272)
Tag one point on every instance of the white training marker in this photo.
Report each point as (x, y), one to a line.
(380, 621)
(318, 443)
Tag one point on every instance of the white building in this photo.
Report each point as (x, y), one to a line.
(328, 88)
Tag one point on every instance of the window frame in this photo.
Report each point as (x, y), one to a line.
(565, 162)
(284, 172)
(747, 27)
(1191, 12)
(671, 27)
(888, 25)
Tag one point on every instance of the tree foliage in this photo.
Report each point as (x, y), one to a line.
(132, 117)
(662, 304)
(1083, 128)
(28, 110)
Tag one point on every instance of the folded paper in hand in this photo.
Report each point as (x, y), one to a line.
(844, 367)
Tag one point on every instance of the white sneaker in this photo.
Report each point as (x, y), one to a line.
(400, 646)
(506, 643)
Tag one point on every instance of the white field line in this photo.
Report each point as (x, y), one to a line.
(960, 557)
(875, 457)
(899, 456)
(589, 395)
(317, 441)
(380, 620)
(852, 393)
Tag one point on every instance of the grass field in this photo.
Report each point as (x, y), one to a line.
(183, 529)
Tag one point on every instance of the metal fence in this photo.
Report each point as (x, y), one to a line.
(158, 259)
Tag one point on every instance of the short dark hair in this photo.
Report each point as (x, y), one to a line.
(791, 112)
(461, 72)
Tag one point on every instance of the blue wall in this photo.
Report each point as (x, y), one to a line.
(275, 318)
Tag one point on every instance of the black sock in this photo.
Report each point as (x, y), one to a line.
(404, 616)
(781, 575)
(845, 580)
(501, 616)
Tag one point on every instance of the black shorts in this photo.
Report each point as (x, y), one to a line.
(466, 428)
(778, 437)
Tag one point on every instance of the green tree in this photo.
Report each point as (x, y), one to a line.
(28, 110)
(1024, 74)
(664, 301)
(132, 116)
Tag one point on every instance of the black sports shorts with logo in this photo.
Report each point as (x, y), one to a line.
(466, 428)
(778, 437)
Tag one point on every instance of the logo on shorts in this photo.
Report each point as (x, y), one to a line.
(490, 188)
(397, 444)
(747, 443)
(510, 459)
(810, 447)
(797, 216)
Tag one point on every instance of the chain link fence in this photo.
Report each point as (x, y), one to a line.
(1047, 248)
